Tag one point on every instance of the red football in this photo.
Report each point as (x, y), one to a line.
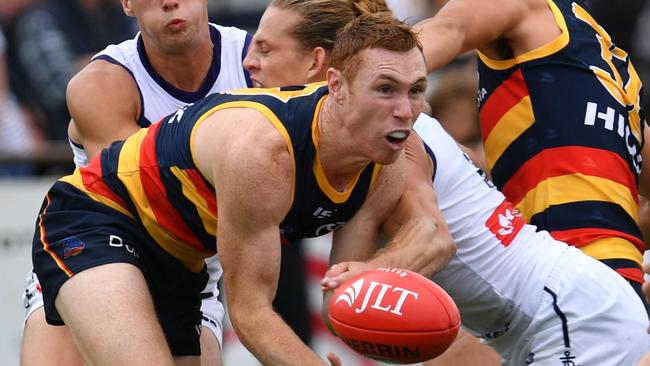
(394, 315)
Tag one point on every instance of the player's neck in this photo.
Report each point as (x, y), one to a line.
(184, 70)
(339, 156)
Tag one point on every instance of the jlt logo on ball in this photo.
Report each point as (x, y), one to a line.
(378, 296)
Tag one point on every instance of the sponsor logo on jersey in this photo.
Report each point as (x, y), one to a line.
(505, 223)
(117, 242)
(324, 229)
(606, 117)
(322, 213)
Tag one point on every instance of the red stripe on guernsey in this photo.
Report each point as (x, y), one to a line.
(633, 274)
(92, 181)
(504, 97)
(505, 223)
(584, 236)
(568, 160)
(166, 214)
(202, 189)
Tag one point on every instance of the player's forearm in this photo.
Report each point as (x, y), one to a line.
(269, 339)
(421, 245)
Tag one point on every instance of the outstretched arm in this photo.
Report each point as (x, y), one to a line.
(463, 25)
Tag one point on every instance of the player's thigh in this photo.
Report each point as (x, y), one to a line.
(210, 348)
(111, 316)
(468, 351)
(45, 344)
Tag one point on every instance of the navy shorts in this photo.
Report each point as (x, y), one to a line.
(81, 233)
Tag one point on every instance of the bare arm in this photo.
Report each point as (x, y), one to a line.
(252, 172)
(420, 240)
(104, 103)
(463, 25)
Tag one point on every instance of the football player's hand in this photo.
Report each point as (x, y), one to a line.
(341, 272)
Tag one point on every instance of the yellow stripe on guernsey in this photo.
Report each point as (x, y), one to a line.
(76, 180)
(129, 171)
(576, 188)
(614, 247)
(626, 93)
(283, 95)
(268, 113)
(189, 191)
(548, 49)
(510, 126)
(332, 193)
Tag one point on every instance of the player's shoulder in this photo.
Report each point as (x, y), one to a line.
(230, 34)
(102, 81)
(101, 75)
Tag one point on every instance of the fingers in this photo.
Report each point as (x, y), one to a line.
(342, 272)
(331, 279)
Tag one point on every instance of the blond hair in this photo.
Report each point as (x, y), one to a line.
(322, 19)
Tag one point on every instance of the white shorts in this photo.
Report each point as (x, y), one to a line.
(212, 308)
(589, 315)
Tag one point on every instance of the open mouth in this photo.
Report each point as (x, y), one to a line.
(397, 137)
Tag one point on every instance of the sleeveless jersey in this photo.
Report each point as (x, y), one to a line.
(501, 264)
(563, 130)
(159, 98)
(152, 177)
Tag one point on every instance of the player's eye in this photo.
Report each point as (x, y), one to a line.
(385, 89)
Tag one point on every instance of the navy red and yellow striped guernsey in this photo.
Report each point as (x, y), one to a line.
(152, 178)
(562, 128)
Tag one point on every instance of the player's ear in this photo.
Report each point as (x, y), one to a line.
(318, 67)
(336, 84)
(126, 7)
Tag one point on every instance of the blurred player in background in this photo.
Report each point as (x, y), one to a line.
(562, 126)
(176, 59)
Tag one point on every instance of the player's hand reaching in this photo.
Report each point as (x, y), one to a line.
(341, 272)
